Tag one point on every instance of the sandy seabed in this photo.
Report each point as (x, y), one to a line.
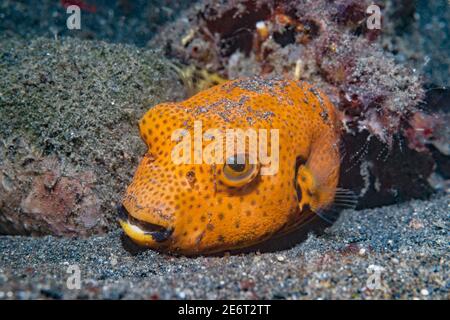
(399, 251)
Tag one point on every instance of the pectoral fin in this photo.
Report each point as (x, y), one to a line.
(325, 201)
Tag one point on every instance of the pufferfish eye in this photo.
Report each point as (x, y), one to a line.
(236, 174)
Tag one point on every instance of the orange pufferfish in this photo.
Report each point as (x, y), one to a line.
(202, 208)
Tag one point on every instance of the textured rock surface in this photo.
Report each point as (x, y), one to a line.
(68, 130)
(418, 32)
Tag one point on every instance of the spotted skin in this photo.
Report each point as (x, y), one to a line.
(202, 215)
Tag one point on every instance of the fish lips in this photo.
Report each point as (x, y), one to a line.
(158, 233)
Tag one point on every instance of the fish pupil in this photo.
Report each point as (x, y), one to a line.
(237, 167)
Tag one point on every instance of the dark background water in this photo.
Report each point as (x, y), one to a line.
(133, 22)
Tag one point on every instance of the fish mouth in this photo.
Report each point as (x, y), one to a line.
(142, 232)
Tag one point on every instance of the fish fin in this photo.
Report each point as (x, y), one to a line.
(343, 199)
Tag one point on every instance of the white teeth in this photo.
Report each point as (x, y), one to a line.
(135, 228)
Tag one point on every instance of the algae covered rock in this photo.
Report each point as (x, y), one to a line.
(69, 143)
